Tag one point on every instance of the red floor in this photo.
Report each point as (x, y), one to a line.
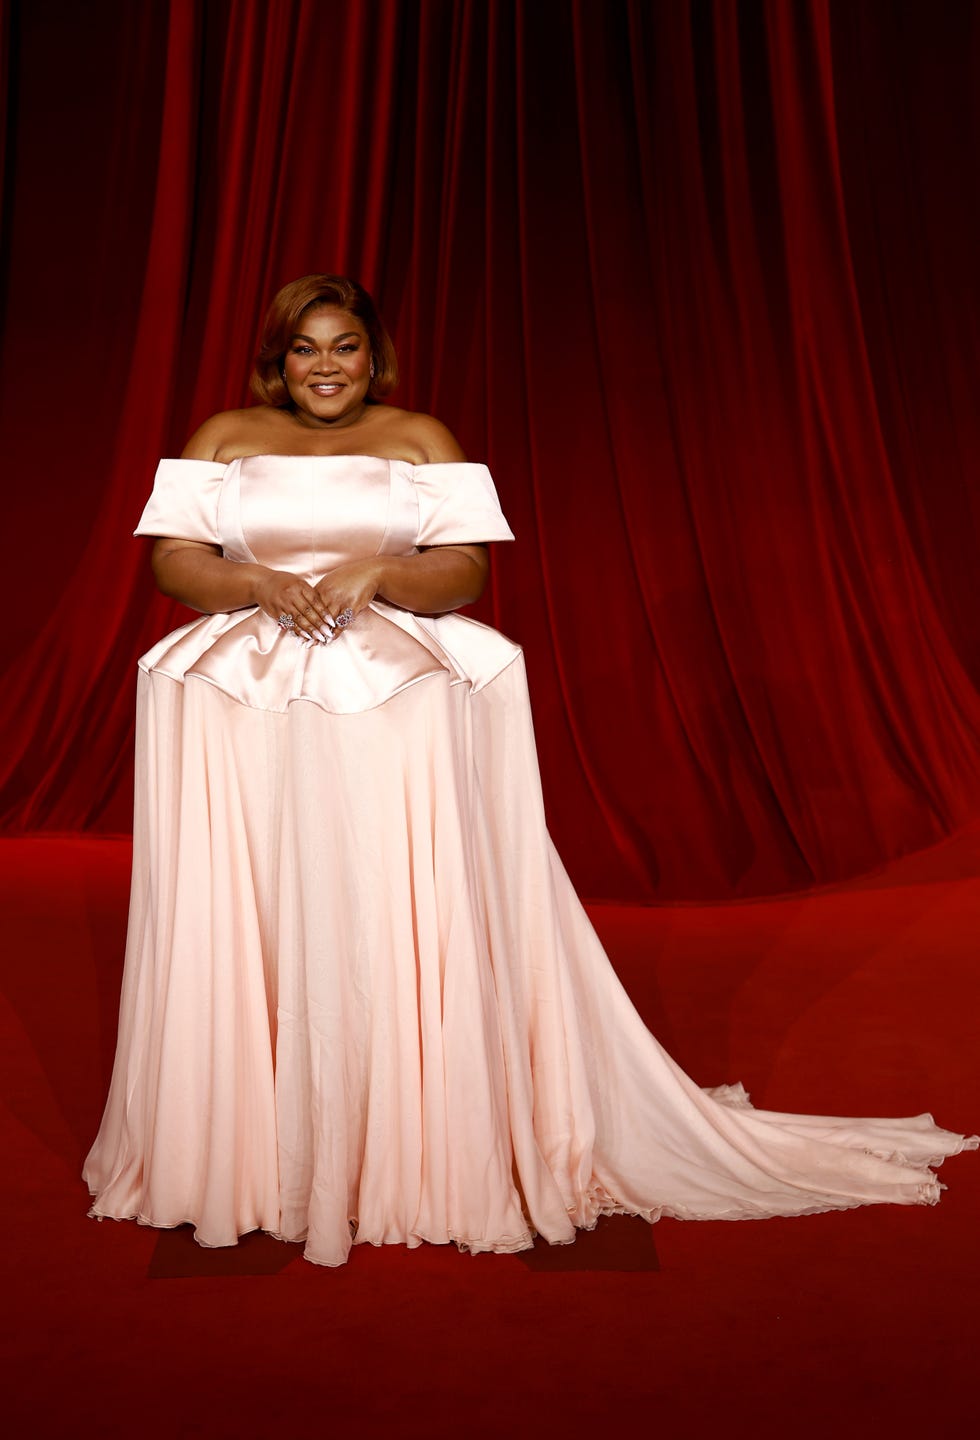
(860, 1000)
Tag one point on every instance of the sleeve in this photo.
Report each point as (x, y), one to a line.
(184, 502)
(458, 505)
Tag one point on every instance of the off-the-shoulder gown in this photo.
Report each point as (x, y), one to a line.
(361, 1001)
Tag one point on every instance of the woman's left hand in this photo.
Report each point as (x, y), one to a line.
(350, 587)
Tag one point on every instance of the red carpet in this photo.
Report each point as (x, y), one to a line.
(860, 1000)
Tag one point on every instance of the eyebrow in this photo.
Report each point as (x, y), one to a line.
(347, 335)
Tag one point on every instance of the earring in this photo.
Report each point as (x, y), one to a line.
(372, 369)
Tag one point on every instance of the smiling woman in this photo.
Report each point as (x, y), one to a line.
(290, 313)
(325, 361)
(361, 1000)
(329, 363)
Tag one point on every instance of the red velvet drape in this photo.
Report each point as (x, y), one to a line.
(697, 280)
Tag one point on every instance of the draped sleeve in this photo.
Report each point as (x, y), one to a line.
(458, 505)
(184, 501)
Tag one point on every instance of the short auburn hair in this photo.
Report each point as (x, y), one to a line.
(282, 323)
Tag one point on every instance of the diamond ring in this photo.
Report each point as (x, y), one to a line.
(286, 621)
(345, 617)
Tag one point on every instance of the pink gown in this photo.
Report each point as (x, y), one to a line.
(361, 1001)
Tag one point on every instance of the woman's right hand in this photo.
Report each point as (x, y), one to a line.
(280, 593)
(198, 575)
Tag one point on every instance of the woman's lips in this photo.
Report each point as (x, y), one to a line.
(326, 389)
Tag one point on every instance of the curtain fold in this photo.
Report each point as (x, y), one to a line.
(697, 280)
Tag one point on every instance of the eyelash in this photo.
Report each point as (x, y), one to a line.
(341, 349)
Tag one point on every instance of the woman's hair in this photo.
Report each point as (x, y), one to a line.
(283, 322)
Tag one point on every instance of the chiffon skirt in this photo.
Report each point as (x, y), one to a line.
(362, 1002)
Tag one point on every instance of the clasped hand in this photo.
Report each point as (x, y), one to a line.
(316, 609)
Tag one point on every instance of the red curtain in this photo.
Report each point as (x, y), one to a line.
(698, 280)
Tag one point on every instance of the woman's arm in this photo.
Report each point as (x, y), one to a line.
(198, 575)
(430, 583)
(439, 579)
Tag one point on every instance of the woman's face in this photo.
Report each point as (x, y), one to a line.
(327, 368)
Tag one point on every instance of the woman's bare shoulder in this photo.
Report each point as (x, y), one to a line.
(223, 435)
(425, 436)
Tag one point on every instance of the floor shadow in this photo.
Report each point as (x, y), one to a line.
(177, 1256)
(618, 1242)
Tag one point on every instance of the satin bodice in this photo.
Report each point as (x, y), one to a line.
(308, 514)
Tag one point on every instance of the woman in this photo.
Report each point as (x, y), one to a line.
(361, 1001)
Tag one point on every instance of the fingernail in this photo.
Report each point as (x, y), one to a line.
(320, 636)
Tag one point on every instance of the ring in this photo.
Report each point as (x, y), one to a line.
(286, 622)
(345, 617)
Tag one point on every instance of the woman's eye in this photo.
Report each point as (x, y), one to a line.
(347, 349)
(302, 350)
